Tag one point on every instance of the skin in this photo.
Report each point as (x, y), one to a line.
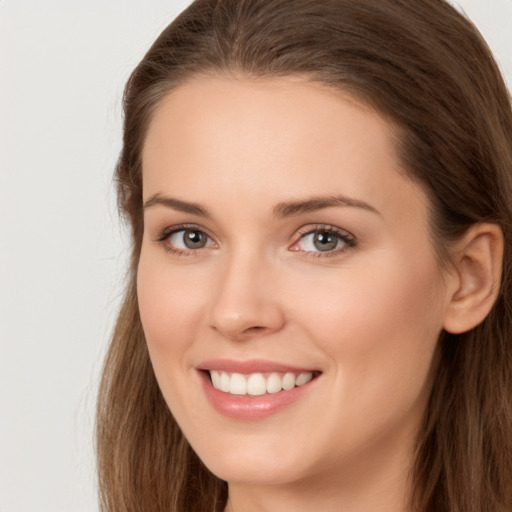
(367, 316)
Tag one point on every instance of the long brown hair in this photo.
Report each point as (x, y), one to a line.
(424, 67)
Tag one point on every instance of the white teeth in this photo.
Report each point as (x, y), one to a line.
(288, 381)
(237, 384)
(274, 383)
(224, 382)
(303, 378)
(215, 375)
(256, 384)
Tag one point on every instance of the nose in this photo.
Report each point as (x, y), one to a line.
(245, 303)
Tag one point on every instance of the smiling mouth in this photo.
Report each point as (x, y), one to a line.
(258, 384)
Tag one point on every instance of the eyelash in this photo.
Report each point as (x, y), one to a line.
(345, 237)
(167, 233)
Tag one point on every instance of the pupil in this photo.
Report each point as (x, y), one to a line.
(194, 239)
(325, 241)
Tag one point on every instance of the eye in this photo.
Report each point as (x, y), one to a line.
(188, 239)
(183, 239)
(324, 239)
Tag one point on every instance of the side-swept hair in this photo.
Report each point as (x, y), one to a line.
(423, 66)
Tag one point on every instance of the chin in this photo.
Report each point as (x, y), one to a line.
(243, 469)
(247, 460)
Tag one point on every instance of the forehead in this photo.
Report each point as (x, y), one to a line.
(237, 106)
(269, 138)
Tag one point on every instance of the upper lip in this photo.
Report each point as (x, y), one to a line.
(249, 366)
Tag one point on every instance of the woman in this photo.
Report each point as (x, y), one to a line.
(318, 310)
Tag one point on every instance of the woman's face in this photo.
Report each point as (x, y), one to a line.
(286, 254)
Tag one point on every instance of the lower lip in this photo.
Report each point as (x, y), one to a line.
(244, 407)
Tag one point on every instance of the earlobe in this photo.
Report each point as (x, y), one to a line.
(476, 277)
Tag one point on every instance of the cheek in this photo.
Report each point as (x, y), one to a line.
(379, 325)
(171, 307)
(374, 302)
(170, 304)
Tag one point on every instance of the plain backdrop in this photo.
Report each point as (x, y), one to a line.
(62, 250)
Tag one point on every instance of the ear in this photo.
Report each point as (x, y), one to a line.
(476, 277)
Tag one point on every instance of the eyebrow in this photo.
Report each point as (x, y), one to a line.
(176, 204)
(294, 208)
(281, 210)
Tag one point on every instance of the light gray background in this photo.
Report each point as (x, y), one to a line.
(62, 251)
